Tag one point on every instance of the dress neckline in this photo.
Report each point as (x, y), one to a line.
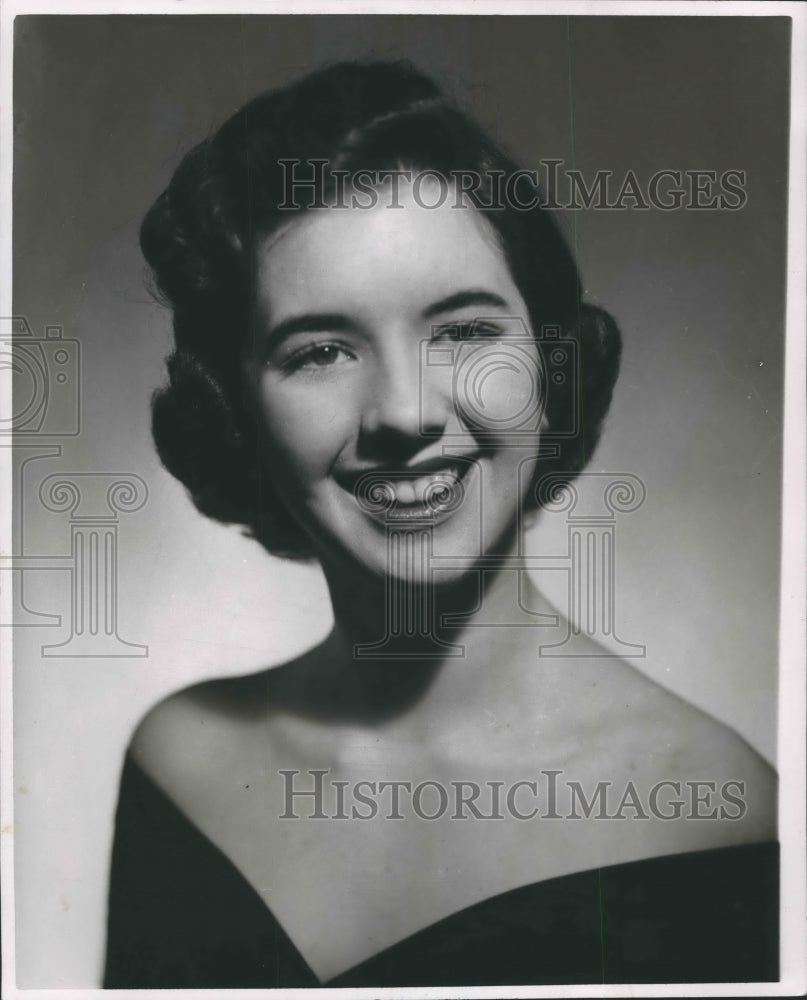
(508, 904)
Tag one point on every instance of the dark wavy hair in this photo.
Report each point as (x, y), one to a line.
(200, 238)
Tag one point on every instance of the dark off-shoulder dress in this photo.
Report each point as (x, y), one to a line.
(181, 915)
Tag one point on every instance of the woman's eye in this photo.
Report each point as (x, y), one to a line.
(468, 330)
(316, 356)
(323, 355)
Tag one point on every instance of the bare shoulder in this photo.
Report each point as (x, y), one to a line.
(204, 731)
(644, 729)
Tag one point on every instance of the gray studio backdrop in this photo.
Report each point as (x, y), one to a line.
(104, 106)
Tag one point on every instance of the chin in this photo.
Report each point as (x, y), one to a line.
(437, 555)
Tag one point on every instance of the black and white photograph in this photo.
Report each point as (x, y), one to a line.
(403, 472)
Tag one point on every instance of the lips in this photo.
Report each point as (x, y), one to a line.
(426, 488)
(419, 491)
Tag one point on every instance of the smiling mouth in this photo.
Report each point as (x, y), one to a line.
(412, 494)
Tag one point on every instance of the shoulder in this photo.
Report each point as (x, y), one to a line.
(205, 733)
(721, 775)
(645, 733)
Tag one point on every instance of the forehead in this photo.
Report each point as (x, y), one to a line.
(379, 258)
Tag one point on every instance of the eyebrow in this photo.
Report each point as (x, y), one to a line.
(461, 300)
(337, 322)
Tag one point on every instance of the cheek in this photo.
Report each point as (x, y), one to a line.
(501, 389)
(304, 431)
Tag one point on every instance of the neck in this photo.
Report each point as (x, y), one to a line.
(393, 637)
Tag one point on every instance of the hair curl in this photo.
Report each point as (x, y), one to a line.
(200, 236)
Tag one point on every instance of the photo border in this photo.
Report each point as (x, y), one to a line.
(792, 692)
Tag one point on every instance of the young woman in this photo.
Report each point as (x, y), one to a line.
(361, 284)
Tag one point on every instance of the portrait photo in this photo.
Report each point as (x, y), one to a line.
(403, 465)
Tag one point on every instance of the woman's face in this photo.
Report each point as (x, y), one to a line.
(398, 382)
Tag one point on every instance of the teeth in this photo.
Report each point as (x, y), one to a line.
(411, 491)
(404, 491)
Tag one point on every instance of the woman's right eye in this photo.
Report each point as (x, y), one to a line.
(313, 357)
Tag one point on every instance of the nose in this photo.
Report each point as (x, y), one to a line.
(404, 405)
